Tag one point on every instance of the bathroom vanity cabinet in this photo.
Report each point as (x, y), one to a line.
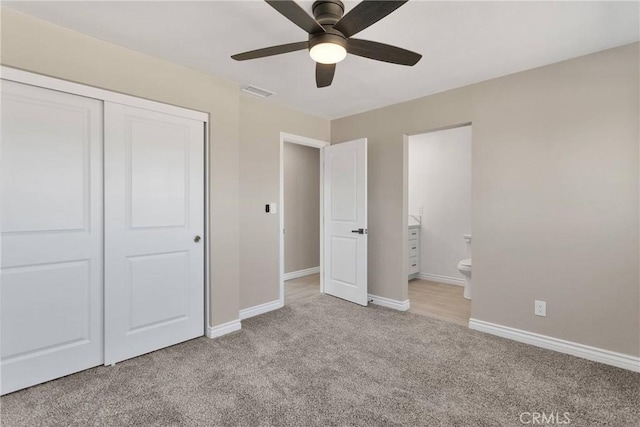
(414, 251)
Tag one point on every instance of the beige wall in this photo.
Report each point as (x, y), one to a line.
(555, 195)
(301, 207)
(261, 124)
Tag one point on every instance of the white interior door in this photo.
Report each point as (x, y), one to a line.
(154, 230)
(51, 221)
(345, 221)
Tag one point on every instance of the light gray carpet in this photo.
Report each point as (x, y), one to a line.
(329, 362)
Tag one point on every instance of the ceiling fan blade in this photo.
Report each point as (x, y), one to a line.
(324, 74)
(270, 51)
(294, 13)
(382, 52)
(366, 13)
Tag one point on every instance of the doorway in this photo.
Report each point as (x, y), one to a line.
(439, 235)
(301, 190)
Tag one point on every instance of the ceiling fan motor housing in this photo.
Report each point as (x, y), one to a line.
(327, 12)
(331, 36)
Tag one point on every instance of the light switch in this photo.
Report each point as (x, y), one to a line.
(270, 208)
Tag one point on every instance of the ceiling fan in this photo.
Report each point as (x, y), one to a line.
(330, 35)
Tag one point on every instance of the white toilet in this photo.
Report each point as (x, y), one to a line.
(464, 267)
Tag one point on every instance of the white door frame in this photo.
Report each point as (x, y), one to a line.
(309, 142)
(33, 79)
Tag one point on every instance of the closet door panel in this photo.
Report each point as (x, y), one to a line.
(154, 263)
(51, 313)
(159, 173)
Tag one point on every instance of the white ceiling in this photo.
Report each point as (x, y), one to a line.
(461, 43)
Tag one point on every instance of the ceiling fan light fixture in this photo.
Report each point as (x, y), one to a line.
(330, 35)
(327, 48)
(328, 53)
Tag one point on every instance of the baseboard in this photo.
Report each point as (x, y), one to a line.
(595, 354)
(389, 303)
(246, 313)
(442, 279)
(223, 329)
(301, 273)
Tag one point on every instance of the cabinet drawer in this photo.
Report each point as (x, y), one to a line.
(414, 233)
(413, 248)
(414, 266)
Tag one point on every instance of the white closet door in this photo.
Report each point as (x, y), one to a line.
(154, 225)
(51, 221)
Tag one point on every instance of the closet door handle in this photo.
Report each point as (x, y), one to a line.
(359, 231)
(197, 239)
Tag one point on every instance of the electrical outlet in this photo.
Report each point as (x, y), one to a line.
(540, 308)
(420, 210)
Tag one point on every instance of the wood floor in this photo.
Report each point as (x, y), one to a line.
(427, 298)
(438, 300)
(301, 289)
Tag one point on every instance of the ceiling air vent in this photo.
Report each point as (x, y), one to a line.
(253, 90)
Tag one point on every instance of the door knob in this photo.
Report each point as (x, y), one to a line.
(360, 231)
(196, 239)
